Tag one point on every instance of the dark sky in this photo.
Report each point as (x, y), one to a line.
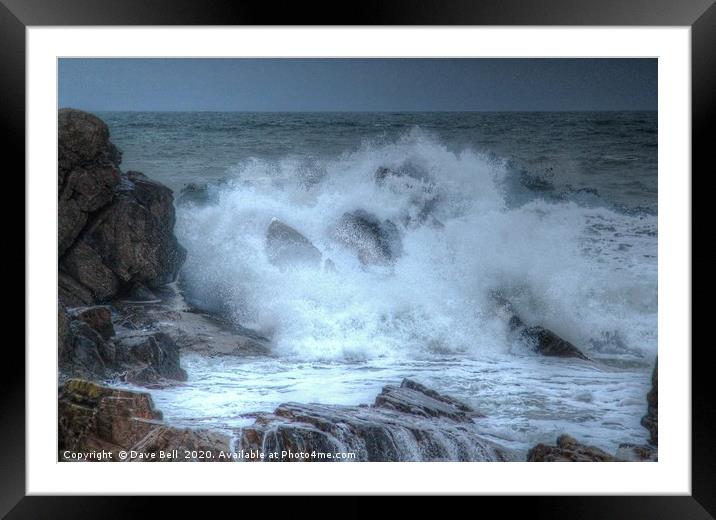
(358, 84)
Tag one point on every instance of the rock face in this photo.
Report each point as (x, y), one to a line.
(568, 450)
(98, 317)
(87, 171)
(89, 348)
(285, 246)
(406, 423)
(375, 241)
(115, 229)
(651, 420)
(147, 358)
(94, 417)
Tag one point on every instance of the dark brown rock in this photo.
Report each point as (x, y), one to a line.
(115, 229)
(84, 140)
(95, 417)
(568, 450)
(148, 358)
(87, 172)
(71, 292)
(651, 420)
(407, 423)
(99, 317)
(86, 354)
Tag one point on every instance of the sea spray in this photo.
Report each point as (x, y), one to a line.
(588, 273)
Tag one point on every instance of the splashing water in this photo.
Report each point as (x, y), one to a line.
(587, 273)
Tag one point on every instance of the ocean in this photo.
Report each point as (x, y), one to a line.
(555, 211)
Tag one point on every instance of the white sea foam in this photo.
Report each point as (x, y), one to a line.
(587, 273)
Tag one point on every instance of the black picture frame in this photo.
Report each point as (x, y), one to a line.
(700, 15)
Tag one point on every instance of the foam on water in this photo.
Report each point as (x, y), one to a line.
(588, 273)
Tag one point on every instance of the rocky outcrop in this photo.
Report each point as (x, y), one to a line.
(651, 420)
(148, 358)
(90, 349)
(541, 339)
(406, 423)
(88, 171)
(98, 317)
(568, 449)
(637, 453)
(115, 228)
(285, 247)
(97, 418)
(375, 241)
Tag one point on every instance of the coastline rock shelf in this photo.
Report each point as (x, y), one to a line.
(406, 423)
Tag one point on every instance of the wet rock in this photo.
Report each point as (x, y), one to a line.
(148, 358)
(285, 246)
(95, 417)
(651, 420)
(637, 453)
(140, 293)
(548, 343)
(541, 339)
(375, 241)
(99, 317)
(414, 398)
(568, 449)
(85, 353)
(406, 423)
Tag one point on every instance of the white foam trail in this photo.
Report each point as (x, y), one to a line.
(589, 274)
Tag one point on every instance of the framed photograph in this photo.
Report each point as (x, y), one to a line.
(444, 247)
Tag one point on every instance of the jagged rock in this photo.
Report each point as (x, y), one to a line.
(115, 229)
(541, 339)
(71, 292)
(406, 423)
(651, 420)
(147, 358)
(84, 140)
(285, 246)
(375, 242)
(414, 398)
(548, 343)
(87, 171)
(86, 353)
(95, 417)
(637, 453)
(99, 317)
(568, 450)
